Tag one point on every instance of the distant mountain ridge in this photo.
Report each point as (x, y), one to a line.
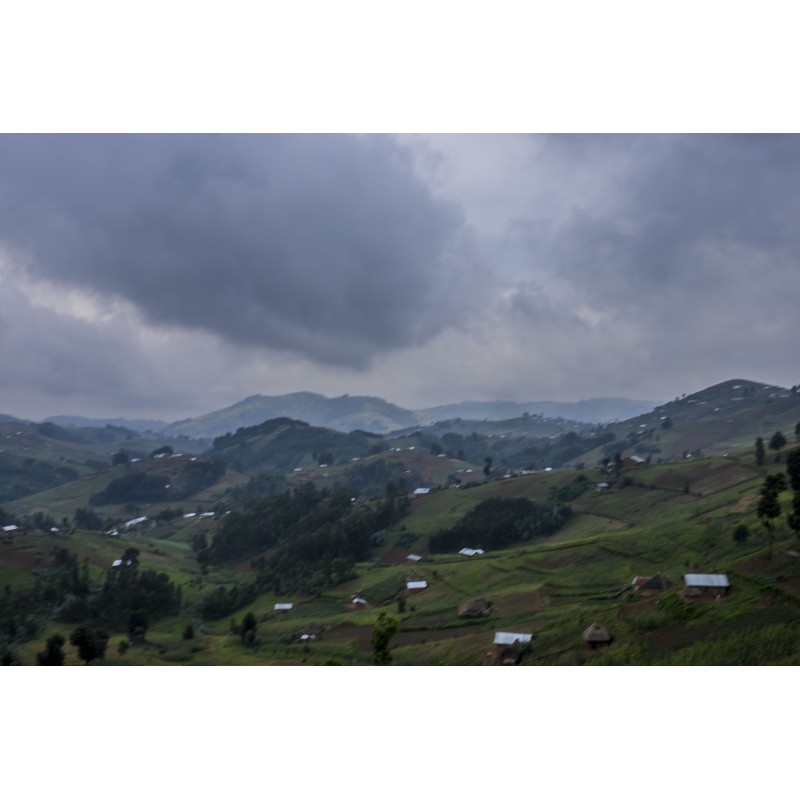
(346, 414)
(119, 422)
(601, 409)
(373, 414)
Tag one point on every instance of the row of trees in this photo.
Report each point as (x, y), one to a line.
(769, 508)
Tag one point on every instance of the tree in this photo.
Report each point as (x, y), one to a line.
(741, 533)
(769, 507)
(794, 517)
(666, 424)
(793, 469)
(487, 466)
(120, 457)
(188, 632)
(777, 441)
(617, 463)
(91, 643)
(382, 632)
(137, 626)
(248, 630)
(53, 656)
(797, 431)
(760, 452)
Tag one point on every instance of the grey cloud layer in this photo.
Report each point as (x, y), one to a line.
(697, 246)
(325, 246)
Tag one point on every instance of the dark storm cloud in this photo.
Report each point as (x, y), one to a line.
(678, 197)
(695, 244)
(326, 246)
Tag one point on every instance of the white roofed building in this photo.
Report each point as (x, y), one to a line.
(508, 637)
(699, 584)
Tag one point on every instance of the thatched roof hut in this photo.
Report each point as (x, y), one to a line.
(477, 607)
(596, 635)
(655, 583)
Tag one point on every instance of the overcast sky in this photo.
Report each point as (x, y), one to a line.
(167, 276)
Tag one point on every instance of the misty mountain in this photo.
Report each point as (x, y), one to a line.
(140, 425)
(349, 413)
(344, 414)
(601, 409)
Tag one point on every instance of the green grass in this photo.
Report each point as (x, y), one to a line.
(553, 588)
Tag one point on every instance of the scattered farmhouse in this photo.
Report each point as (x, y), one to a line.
(358, 601)
(703, 585)
(477, 607)
(468, 551)
(633, 461)
(422, 490)
(284, 607)
(507, 647)
(416, 585)
(413, 557)
(596, 636)
(655, 583)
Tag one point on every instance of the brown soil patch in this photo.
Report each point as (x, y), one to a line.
(397, 555)
(561, 561)
(361, 636)
(19, 557)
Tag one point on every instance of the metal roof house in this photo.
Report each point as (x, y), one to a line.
(508, 637)
(697, 584)
(468, 551)
(413, 557)
(284, 606)
(416, 585)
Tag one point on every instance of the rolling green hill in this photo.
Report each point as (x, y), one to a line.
(670, 518)
(691, 508)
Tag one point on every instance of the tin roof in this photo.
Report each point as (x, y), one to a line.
(468, 551)
(283, 606)
(417, 585)
(507, 637)
(720, 581)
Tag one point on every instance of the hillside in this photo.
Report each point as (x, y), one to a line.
(350, 413)
(602, 409)
(285, 512)
(340, 413)
(669, 518)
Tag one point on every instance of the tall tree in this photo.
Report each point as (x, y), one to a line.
(760, 452)
(769, 506)
(777, 441)
(53, 655)
(793, 469)
(385, 627)
(794, 517)
(91, 643)
(248, 632)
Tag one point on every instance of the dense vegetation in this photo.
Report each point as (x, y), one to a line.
(284, 444)
(128, 598)
(23, 476)
(500, 522)
(143, 487)
(313, 538)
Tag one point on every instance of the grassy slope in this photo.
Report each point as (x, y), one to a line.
(553, 588)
